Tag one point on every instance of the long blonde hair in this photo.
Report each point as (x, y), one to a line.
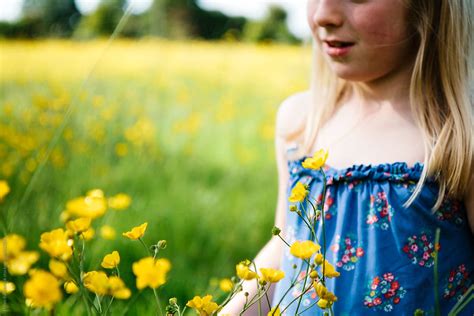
(440, 95)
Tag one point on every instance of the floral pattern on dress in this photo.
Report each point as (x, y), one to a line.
(384, 293)
(380, 212)
(420, 249)
(348, 251)
(450, 210)
(457, 283)
(329, 210)
(310, 296)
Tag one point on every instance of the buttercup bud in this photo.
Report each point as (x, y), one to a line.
(276, 231)
(162, 244)
(173, 301)
(293, 208)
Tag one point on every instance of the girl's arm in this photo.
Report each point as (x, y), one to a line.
(269, 256)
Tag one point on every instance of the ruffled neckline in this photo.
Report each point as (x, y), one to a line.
(395, 171)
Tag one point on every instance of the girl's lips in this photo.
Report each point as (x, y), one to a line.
(334, 51)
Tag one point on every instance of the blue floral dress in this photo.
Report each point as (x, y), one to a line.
(383, 252)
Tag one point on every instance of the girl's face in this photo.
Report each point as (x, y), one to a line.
(363, 40)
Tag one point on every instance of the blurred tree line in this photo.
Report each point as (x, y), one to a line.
(174, 19)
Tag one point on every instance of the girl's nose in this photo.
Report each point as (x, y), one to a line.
(328, 13)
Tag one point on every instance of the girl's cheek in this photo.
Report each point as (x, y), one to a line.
(377, 25)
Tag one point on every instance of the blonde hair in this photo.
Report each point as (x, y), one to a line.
(440, 95)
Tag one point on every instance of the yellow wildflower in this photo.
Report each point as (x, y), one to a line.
(298, 193)
(226, 285)
(304, 249)
(107, 232)
(329, 270)
(4, 189)
(11, 245)
(96, 282)
(59, 269)
(151, 272)
(326, 297)
(6, 287)
(203, 305)
(244, 272)
(88, 234)
(55, 243)
(42, 289)
(21, 263)
(272, 275)
(118, 289)
(79, 225)
(136, 232)
(111, 261)
(317, 161)
(274, 312)
(70, 287)
(92, 205)
(120, 201)
(318, 259)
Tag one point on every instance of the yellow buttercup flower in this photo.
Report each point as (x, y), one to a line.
(11, 245)
(329, 270)
(55, 243)
(318, 259)
(226, 285)
(151, 272)
(317, 161)
(203, 305)
(274, 312)
(272, 275)
(96, 282)
(136, 232)
(298, 193)
(79, 225)
(304, 249)
(92, 205)
(21, 263)
(107, 232)
(118, 289)
(244, 272)
(326, 298)
(88, 234)
(59, 269)
(111, 261)
(120, 201)
(70, 287)
(6, 287)
(42, 289)
(4, 189)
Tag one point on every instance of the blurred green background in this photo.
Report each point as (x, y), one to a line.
(182, 124)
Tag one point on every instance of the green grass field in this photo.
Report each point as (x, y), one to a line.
(184, 128)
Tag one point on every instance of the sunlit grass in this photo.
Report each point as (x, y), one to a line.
(185, 128)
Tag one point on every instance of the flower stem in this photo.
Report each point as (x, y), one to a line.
(437, 310)
(158, 302)
(144, 245)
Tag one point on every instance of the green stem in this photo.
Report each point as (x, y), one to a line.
(304, 284)
(284, 241)
(144, 245)
(158, 302)
(299, 297)
(437, 310)
(323, 215)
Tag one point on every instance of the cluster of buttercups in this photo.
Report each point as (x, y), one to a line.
(66, 247)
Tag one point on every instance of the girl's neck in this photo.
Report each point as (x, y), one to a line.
(387, 93)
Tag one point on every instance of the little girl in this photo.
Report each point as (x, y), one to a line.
(390, 101)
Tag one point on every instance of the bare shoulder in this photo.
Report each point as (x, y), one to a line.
(291, 115)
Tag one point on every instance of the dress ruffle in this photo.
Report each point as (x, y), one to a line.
(396, 171)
